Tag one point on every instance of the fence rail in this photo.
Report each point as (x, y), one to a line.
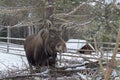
(11, 38)
(8, 46)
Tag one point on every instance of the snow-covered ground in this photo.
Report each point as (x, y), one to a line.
(10, 60)
(14, 60)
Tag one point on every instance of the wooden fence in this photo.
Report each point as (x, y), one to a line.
(8, 38)
(8, 43)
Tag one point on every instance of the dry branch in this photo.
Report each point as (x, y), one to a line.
(112, 64)
(52, 74)
(75, 9)
(71, 12)
(24, 23)
(73, 71)
(99, 60)
(28, 23)
(88, 22)
(23, 76)
(90, 65)
(7, 10)
(61, 16)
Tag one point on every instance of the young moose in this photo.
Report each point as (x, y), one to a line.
(41, 49)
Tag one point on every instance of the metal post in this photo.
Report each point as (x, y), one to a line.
(8, 38)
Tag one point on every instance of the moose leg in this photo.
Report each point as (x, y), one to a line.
(52, 60)
(31, 68)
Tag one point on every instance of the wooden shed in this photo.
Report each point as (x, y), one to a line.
(81, 46)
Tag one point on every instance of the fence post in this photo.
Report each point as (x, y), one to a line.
(8, 38)
(29, 30)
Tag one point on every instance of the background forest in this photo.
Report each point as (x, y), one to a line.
(82, 19)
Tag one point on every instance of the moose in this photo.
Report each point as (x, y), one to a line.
(41, 48)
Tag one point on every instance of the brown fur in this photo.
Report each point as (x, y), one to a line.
(41, 49)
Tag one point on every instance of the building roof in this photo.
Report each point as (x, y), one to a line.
(76, 44)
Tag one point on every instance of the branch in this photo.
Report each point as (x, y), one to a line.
(111, 64)
(28, 23)
(87, 71)
(75, 9)
(23, 76)
(7, 10)
(52, 74)
(24, 23)
(99, 60)
(114, 5)
(85, 23)
(71, 12)
(80, 24)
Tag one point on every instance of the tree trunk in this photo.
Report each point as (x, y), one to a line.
(111, 64)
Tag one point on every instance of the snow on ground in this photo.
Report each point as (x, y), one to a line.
(13, 48)
(8, 61)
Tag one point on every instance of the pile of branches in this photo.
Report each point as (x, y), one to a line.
(58, 73)
(77, 72)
